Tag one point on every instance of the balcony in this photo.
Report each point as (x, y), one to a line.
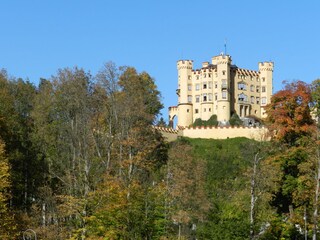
(243, 101)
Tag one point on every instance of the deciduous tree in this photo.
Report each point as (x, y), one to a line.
(288, 113)
(7, 224)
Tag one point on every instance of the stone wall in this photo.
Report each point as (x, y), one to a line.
(257, 133)
(260, 134)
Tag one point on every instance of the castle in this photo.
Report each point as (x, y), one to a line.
(220, 88)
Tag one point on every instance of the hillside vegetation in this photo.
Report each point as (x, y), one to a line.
(80, 159)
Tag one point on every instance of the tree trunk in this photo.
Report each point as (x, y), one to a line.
(253, 195)
(43, 214)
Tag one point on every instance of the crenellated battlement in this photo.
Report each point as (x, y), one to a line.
(184, 64)
(215, 132)
(266, 66)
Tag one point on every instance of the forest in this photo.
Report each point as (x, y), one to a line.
(80, 159)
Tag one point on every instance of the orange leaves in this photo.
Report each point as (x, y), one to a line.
(289, 113)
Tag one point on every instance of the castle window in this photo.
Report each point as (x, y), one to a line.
(209, 109)
(252, 99)
(210, 85)
(224, 83)
(197, 87)
(189, 77)
(204, 97)
(197, 77)
(204, 86)
(187, 110)
(224, 94)
(242, 97)
(204, 75)
(263, 89)
(242, 86)
(216, 96)
(223, 72)
(196, 110)
(263, 100)
(210, 97)
(252, 88)
(209, 75)
(197, 98)
(263, 79)
(189, 98)
(189, 87)
(258, 100)
(257, 89)
(215, 85)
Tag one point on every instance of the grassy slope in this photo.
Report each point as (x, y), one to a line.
(227, 187)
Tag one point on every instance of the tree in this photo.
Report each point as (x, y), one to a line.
(315, 91)
(235, 120)
(292, 166)
(162, 123)
(7, 224)
(187, 198)
(63, 131)
(288, 113)
(260, 212)
(212, 121)
(130, 193)
(198, 122)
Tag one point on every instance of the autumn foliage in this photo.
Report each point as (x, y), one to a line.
(288, 113)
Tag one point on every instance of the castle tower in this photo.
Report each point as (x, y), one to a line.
(184, 92)
(265, 75)
(223, 63)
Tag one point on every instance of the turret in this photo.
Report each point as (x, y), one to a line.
(266, 78)
(223, 63)
(184, 92)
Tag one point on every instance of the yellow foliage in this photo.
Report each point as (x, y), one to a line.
(7, 225)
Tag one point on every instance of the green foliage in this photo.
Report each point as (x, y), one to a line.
(187, 197)
(226, 187)
(82, 161)
(212, 121)
(235, 120)
(281, 229)
(161, 123)
(315, 93)
(198, 122)
(7, 224)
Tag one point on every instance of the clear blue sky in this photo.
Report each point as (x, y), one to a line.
(39, 37)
